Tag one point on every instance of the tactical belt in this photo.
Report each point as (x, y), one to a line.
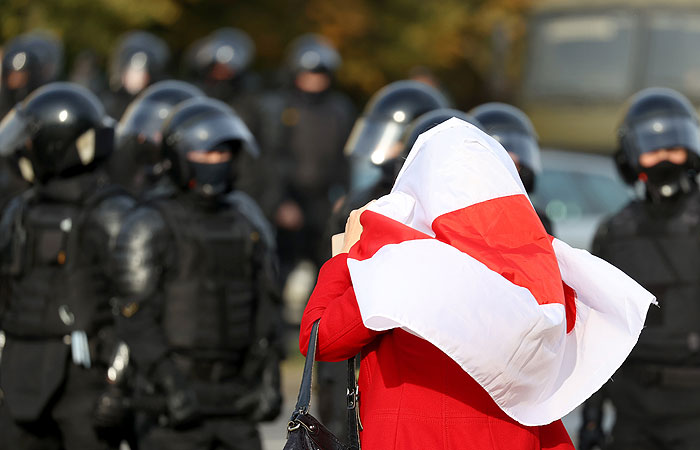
(207, 370)
(664, 376)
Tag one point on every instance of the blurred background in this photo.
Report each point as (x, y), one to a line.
(568, 64)
(463, 42)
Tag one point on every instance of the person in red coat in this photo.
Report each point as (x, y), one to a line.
(413, 396)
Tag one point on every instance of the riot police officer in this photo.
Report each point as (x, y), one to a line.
(137, 162)
(54, 242)
(29, 61)
(380, 136)
(198, 304)
(514, 131)
(391, 161)
(219, 64)
(301, 129)
(139, 60)
(387, 114)
(654, 239)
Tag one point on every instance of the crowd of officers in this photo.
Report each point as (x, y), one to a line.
(141, 260)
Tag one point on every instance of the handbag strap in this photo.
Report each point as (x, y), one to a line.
(304, 398)
(353, 398)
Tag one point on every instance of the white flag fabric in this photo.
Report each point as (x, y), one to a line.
(457, 255)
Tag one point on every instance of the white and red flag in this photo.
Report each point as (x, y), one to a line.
(457, 255)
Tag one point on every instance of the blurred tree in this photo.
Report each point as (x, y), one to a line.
(379, 41)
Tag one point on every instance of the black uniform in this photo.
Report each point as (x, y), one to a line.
(301, 135)
(656, 240)
(657, 391)
(55, 239)
(198, 303)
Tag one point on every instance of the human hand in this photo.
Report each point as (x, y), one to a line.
(353, 228)
(111, 410)
(289, 216)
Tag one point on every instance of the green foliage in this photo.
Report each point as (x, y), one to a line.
(380, 40)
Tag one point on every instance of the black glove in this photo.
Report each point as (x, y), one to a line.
(591, 434)
(111, 410)
(181, 402)
(269, 396)
(591, 437)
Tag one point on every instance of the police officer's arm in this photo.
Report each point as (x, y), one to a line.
(140, 260)
(103, 226)
(267, 349)
(591, 432)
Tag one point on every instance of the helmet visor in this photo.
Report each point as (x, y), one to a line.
(663, 133)
(144, 120)
(14, 131)
(373, 140)
(218, 130)
(523, 146)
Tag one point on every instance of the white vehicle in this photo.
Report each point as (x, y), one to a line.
(577, 191)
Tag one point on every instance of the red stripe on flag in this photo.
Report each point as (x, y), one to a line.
(570, 305)
(379, 230)
(506, 235)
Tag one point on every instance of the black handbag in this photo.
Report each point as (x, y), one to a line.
(304, 431)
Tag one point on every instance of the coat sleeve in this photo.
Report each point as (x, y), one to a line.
(341, 333)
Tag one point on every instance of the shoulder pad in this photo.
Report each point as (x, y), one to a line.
(244, 204)
(137, 255)
(144, 220)
(110, 212)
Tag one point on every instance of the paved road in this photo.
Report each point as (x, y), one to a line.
(275, 433)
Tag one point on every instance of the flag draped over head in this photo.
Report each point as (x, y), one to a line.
(457, 255)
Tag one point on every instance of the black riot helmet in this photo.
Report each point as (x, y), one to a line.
(513, 130)
(139, 60)
(313, 53)
(656, 118)
(138, 157)
(203, 125)
(221, 56)
(59, 130)
(29, 61)
(382, 124)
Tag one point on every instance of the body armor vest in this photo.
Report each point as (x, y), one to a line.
(210, 299)
(55, 283)
(660, 249)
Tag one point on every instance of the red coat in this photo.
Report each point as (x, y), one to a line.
(412, 395)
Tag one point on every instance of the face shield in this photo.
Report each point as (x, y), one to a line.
(140, 126)
(370, 144)
(212, 171)
(661, 133)
(523, 146)
(135, 73)
(223, 128)
(14, 132)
